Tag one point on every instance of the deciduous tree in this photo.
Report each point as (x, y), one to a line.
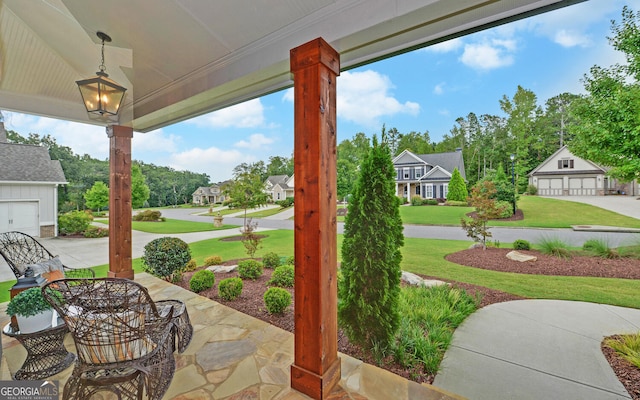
(97, 197)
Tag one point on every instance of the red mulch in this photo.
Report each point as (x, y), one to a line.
(251, 301)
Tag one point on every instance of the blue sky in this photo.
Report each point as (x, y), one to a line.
(425, 90)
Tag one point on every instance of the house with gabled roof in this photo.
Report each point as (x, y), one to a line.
(208, 195)
(565, 174)
(279, 187)
(426, 175)
(29, 181)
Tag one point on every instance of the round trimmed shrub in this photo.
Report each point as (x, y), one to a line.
(148, 215)
(521, 244)
(191, 265)
(250, 269)
(505, 209)
(212, 260)
(277, 300)
(230, 288)
(165, 256)
(202, 280)
(271, 260)
(283, 276)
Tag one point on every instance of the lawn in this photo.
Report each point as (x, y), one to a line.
(176, 226)
(426, 256)
(539, 212)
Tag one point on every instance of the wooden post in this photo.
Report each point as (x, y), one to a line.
(316, 369)
(120, 201)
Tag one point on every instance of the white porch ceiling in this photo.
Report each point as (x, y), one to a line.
(183, 58)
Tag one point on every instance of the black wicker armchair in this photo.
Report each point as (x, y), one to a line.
(124, 345)
(20, 251)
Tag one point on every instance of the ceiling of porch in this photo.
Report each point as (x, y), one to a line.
(183, 58)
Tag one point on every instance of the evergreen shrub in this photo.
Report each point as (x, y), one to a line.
(202, 280)
(149, 215)
(165, 256)
(191, 265)
(277, 300)
(283, 276)
(74, 222)
(250, 269)
(271, 260)
(230, 288)
(521, 244)
(457, 187)
(95, 232)
(212, 260)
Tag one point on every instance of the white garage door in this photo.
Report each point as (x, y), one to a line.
(582, 186)
(550, 186)
(20, 216)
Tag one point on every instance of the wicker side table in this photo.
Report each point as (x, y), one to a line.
(182, 328)
(46, 353)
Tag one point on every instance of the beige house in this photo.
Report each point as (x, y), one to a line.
(207, 195)
(564, 174)
(279, 187)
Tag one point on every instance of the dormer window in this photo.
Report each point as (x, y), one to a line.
(565, 163)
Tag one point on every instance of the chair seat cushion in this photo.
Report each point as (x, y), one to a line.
(110, 338)
(50, 269)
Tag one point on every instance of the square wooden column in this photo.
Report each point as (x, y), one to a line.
(120, 201)
(316, 369)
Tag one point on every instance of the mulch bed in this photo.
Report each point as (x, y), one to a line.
(251, 301)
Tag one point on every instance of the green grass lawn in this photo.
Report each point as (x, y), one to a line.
(266, 212)
(539, 212)
(176, 226)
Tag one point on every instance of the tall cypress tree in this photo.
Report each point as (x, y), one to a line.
(370, 286)
(457, 187)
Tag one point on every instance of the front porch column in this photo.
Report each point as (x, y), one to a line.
(316, 369)
(120, 201)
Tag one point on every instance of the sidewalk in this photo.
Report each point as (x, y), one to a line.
(82, 253)
(536, 349)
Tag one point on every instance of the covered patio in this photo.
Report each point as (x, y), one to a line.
(179, 59)
(235, 356)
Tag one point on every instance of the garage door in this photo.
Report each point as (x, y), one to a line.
(582, 186)
(550, 186)
(20, 216)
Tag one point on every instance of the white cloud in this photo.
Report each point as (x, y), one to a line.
(249, 114)
(489, 55)
(439, 88)
(155, 141)
(256, 141)
(446, 47)
(288, 95)
(81, 138)
(364, 97)
(571, 39)
(215, 162)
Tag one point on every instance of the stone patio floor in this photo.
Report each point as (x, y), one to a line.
(234, 356)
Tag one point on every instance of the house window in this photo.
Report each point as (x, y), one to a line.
(418, 172)
(428, 191)
(405, 173)
(445, 190)
(278, 195)
(565, 163)
(418, 189)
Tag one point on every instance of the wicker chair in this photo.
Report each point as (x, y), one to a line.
(20, 250)
(124, 345)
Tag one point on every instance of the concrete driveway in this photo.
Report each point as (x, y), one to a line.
(625, 205)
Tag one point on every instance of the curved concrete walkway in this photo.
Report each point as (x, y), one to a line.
(536, 349)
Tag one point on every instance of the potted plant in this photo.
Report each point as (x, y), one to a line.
(32, 311)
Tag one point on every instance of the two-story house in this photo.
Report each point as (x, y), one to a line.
(426, 175)
(279, 187)
(208, 195)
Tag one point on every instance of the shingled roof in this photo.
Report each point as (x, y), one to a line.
(448, 161)
(28, 163)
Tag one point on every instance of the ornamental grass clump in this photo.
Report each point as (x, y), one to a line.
(554, 247)
(165, 257)
(277, 300)
(202, 280)
(250, 269)
(600, 248)
(230, 288)
(627, 346)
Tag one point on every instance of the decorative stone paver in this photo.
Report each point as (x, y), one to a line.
(236, 357)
